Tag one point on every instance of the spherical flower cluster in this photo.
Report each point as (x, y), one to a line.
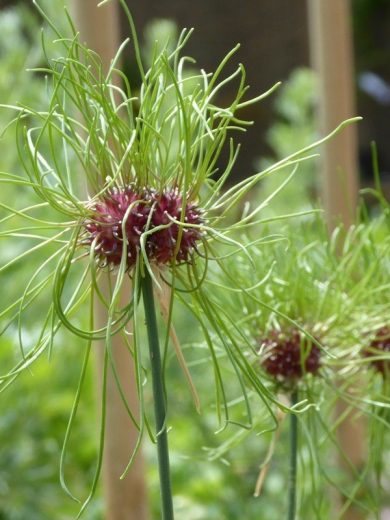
(289, 355)
(143, 211)
(380, 345)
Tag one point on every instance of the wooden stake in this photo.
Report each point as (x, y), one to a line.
(332, 57)
(331, 46)
(125, 499)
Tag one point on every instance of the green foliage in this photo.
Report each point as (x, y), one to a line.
(34, 412)
(32, 426)
(159, 34)
(335, 290)
(169, 133)
(293, 128)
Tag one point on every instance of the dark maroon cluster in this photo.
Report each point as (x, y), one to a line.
(380, 345)
(288, 355)
(142, 210)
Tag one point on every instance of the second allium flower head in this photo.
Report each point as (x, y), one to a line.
(288, 356)
(169, 225)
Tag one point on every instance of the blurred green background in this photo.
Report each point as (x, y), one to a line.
(34, 410)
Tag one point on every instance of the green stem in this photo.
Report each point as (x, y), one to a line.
(292, 485)
(159, 398)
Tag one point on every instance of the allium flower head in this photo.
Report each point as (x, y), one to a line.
(289, 355)
(123, 215)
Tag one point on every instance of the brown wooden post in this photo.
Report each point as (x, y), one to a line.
(125, 499)
(331, 45)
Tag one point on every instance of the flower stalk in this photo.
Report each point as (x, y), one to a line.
(292, 491)
(158, 398)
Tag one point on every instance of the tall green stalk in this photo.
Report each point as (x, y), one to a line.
(292, 485)
(159, 399)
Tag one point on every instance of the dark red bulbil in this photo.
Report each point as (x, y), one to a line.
(142, 210)
(289, 355)
(379, 345)
(162, 243)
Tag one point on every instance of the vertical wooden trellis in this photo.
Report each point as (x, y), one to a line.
(331, 45)
(125, 499)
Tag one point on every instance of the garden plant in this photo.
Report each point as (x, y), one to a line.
(123, 182)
